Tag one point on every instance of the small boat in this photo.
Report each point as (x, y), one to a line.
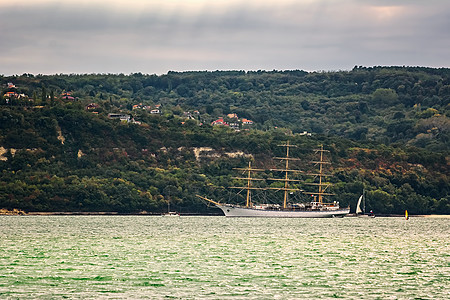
(170, 213)
(284, 207)
(361, 212)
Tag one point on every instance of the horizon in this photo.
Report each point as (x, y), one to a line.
(212, 71)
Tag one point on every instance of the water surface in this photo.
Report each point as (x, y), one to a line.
(142, 257)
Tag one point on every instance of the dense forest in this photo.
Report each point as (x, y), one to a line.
(132, 143)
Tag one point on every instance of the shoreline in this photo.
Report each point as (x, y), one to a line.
(402, 216)
(17, 212)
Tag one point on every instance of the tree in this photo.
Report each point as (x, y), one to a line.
(384, 97)
(44, 95)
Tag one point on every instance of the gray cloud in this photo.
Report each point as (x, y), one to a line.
(318, 35)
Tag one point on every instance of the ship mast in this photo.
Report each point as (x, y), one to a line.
(321, 162)
(249, 179)
(286, 180)
(286, 171)
(322, 186)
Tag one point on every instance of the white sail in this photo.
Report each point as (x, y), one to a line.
(358, 206)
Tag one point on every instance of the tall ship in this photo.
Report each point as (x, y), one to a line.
(288, 186)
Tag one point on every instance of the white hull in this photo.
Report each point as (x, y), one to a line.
(236, 211)
(365, 216)
(171, 214)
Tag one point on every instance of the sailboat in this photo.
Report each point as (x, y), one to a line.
(170, 213)
(317, 208)
(361, 212)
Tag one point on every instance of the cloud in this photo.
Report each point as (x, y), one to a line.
(157, 36)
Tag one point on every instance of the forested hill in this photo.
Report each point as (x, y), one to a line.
(63, 146)
(382, 104)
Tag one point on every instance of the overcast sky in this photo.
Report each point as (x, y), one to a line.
(157, 36)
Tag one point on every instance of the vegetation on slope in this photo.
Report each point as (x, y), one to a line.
(387, 129)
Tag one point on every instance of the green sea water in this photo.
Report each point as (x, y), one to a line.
(142, 257)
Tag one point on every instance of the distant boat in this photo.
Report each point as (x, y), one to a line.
(361, 212)
(283, 208)
(170, 213)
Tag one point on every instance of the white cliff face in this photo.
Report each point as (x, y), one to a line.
(238, 154)
(2, 152)
(13, 151)
(207, 152)
(204, 152)
(60, 136)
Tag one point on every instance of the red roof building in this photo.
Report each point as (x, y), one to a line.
(247, 122)
(219, 122)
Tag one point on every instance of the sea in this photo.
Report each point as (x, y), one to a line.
(198, 257)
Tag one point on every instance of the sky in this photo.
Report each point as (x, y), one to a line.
(157, 36)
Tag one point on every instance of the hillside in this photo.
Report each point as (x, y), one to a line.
(62, 150)
(381, 104)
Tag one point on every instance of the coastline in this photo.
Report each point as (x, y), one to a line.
(14, 212)
(18, 212)
(352, 215)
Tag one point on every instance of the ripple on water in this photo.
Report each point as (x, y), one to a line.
(218, 258)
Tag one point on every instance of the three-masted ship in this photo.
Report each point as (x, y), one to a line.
(317, 208)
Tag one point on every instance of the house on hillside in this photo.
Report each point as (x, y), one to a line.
(121, 117)
(67, 96)
(92, 106)
(246, 122)
(219, 122)
(232, 116)
(305, 133)
(154, 111)
(141, 106)
(188, 115)
(11, 95)
(234, 125)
